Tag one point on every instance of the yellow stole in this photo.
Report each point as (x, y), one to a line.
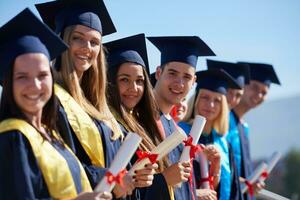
(83, 126)
(54, 167)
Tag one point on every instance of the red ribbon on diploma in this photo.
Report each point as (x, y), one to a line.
(210, 180)
(194, 148)
(250, 188)
(144, 154)
(264, 175)
(117, 179)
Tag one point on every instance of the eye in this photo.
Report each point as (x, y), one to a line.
(95, 43)
(43, 75)
(140, 81)
(124, 80)
(20, 77)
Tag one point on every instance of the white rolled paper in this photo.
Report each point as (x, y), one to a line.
(268, 195)
(162, 149)
(203, 169)
(195, 133)
(271, 164)
(255, 176)
(121, 160)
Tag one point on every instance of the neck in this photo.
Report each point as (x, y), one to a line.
(241, 109)
(79, 75)
(35, 120)
(163, 105)
(207, 128)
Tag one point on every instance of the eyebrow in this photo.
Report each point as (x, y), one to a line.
(127, 75)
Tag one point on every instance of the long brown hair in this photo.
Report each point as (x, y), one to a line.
(89, 93)
(10, 109)
(143, 118)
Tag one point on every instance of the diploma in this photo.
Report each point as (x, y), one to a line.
(253, 178)
(268, 195)
(201, 158)
(195, 134)
(121, 160)
(162, 149)
(271, 164)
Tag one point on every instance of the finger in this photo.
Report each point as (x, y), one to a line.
(144, 172)
(143, 178)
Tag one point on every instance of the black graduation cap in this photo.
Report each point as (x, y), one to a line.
(129, 49)
(239, 72)
(263, 73)
(62, 13)
(216, 80)
(25, 33)
(153, 79)
(184, 49)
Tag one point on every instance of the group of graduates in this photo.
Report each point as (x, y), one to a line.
(68, 101)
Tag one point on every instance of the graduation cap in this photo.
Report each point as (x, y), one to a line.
(239, 72)
(216, 80)
(263, 73)
(25, 33)
(153, 79)
(62, 13)
(184, 49)
(129, 49)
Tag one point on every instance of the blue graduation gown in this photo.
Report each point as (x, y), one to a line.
(229, 187)
(20, 175)
(185, 126)
(185, 192)
(238, 138)
(110, 147)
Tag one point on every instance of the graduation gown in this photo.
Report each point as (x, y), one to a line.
(20, 174)
(229, 186)
(185, 192)
(238, 138)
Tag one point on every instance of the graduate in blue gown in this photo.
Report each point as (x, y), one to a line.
(131, 97)
(81, 74)
(261, 77)
(175, 77)
(36, 162)
(210, 102)
(241, 74)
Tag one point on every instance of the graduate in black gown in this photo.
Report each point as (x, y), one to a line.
(210, 102)
(261, 77)
(175, 77)
(131, 97)
(36, 163)
(82, 85)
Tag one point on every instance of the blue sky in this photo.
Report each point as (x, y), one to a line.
(245, 30)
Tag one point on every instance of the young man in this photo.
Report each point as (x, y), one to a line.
(261, 76)
(175, 77)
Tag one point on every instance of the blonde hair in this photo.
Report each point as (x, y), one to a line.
(89, 93)
(220, 124)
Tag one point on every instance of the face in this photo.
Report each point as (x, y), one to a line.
(209, 104)
(234, 97)
(181, 109)
(255, 93)
(174, 82)
(131, 84)
(32, 82)
(85, 45)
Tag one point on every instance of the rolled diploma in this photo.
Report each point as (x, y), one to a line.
(162, 149)
(268, 195)
(195, 133)
(271, 164)
(255, 176)
(204, 170)
(121, 160)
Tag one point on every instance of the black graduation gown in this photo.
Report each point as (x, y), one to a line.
(20, 175)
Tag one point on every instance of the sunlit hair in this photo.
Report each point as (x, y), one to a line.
(10, 109)
(142, 119)
(89, 93)
(220, 124)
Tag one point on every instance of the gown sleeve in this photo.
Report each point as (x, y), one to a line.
(20, 176)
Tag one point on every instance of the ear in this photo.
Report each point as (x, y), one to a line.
(158, 72)
(195, 79)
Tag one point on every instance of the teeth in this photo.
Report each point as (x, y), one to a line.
(175, 91)
(33, 97)
(83, 57)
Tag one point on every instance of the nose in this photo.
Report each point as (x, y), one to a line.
(133, 86)
(35, 83)
(179, 81)
(86, 45)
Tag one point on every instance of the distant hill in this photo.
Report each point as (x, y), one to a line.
(274, 126)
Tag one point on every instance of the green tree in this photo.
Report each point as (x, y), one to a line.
(292, 173)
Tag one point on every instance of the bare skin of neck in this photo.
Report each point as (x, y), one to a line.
(207, 128)
(36, 121)
(241, 109)
(163, 106)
